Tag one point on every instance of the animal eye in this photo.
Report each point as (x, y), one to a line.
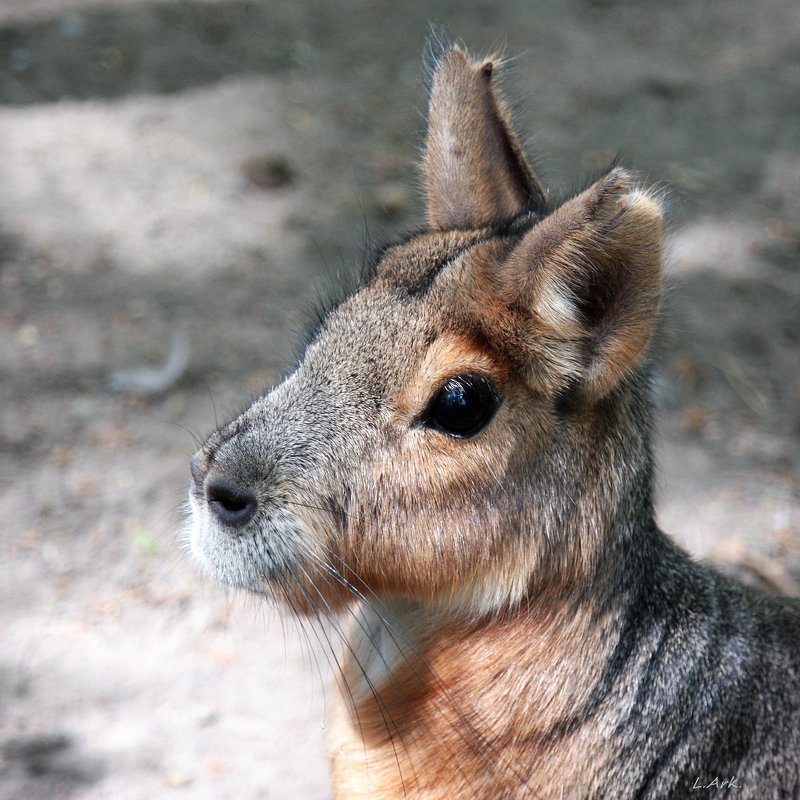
(463, 406)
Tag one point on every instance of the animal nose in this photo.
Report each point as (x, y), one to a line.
(231, 504)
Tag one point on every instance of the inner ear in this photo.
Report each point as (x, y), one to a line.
(599, 299)
(475, 172)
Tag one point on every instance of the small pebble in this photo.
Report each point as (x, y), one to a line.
(267, 172)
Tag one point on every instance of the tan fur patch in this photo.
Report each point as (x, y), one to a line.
(480, 711)
(448, 356)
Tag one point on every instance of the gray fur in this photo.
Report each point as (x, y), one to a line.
(547, 513)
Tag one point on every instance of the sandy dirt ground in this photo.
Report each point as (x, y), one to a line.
(178, 179)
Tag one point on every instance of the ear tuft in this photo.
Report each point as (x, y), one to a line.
(437, 45)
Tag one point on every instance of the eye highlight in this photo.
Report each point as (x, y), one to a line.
(463, 406)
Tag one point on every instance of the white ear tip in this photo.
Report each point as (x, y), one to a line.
(643, 202)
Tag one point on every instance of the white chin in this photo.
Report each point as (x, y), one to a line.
(234, 558)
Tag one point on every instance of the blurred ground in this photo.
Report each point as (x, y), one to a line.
(194, 168)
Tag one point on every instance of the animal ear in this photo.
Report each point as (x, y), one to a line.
(474, 170)
(590, 273)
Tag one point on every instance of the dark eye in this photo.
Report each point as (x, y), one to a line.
(463, 406)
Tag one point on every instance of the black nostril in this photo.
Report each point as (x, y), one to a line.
(232, 505)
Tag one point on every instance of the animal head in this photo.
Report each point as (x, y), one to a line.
(470, 425)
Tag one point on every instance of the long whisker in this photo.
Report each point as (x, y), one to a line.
(329, 651)
(304, 637)
(477, 741)
(385, 714)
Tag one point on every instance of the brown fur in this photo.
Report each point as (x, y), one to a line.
(451, 714)
(514, 623)
(474, 169)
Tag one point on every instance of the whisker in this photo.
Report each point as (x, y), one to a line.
(213, 406)
(477, 741)
(304, 639)
(331, 617)
(329, 652)
(195, 436)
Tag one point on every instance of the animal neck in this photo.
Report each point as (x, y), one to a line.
(427, 694)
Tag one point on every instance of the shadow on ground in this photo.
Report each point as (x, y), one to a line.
(204, 167)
